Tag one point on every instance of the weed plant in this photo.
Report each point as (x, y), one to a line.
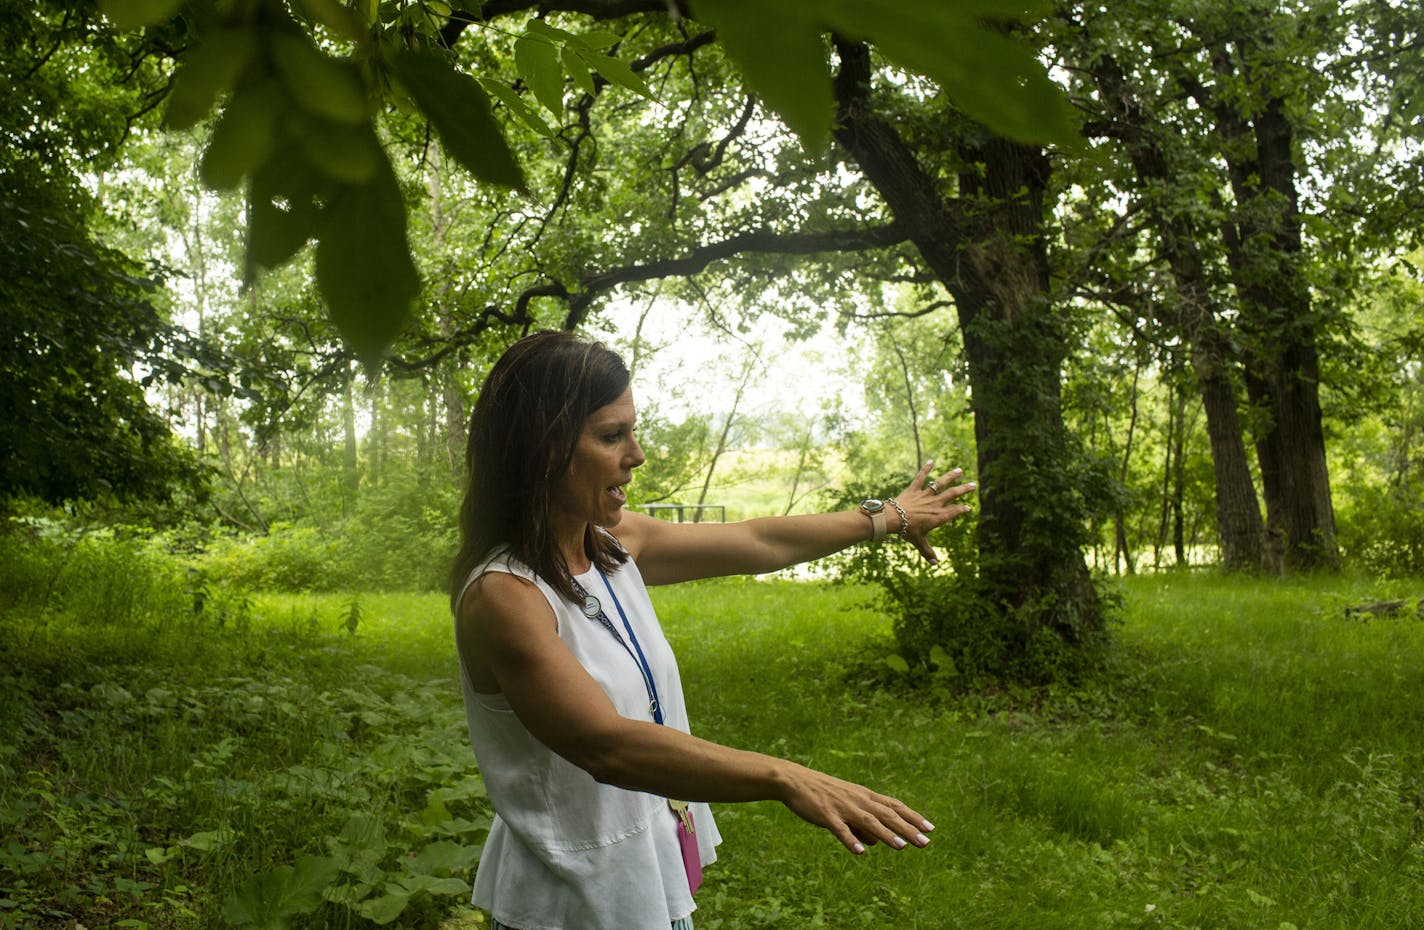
(228, 759)
(1248, 759)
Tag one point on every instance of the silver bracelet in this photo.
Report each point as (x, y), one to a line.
(904, 520)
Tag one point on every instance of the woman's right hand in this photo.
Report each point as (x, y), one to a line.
(857, 816)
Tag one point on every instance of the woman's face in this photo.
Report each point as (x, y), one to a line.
(607, 452)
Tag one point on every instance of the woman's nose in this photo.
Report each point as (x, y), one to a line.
(638, 457)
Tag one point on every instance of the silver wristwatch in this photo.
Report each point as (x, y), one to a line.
(874, 508)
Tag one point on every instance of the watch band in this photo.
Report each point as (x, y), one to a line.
(874, 508)
(879, 530)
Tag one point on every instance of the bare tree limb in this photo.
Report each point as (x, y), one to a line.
(926, 310)
(762, 242)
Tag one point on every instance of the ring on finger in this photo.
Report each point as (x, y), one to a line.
(934, 488)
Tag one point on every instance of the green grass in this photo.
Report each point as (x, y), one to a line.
(1251, 759)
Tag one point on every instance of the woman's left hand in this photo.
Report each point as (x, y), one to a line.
(928, 503)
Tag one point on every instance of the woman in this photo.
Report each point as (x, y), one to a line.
(572, 694)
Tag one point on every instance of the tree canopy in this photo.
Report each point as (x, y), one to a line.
(300, 87)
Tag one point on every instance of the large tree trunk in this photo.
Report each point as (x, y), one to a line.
(1240, 530)
(452, 396)
(1282, 363)
(1265, 256)
(987, 248)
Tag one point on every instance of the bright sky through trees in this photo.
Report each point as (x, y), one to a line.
(688, 366)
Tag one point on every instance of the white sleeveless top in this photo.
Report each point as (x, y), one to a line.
(566, 852)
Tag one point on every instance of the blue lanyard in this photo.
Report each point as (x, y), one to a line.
(591, 605)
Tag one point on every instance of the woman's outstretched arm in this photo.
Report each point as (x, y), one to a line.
(667, 553)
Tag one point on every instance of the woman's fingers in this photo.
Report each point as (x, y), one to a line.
(952, 505)
(922, 477)
(857, 816)
(893, 824)
(930, 503)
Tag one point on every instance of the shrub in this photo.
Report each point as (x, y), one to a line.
(397, 537)
(1382, 529)
(100, 576)
(950, 623)
(287, 558)
(400, 537)
(946, 618)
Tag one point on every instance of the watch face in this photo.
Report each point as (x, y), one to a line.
(872, 505)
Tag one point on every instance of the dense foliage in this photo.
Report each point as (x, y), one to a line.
(78, 320)
(81, 333)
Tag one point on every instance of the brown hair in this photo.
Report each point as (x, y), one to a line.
(525, 425)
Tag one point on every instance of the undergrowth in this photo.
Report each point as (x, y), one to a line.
(188, 755)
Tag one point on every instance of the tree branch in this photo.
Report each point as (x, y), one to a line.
(926, 310)
(471, 334)
(933, 221)
(762, 242)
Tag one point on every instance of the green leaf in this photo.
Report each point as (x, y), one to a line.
(537, 62)
(460, 112)
(205, 73)
(429, 884)
(574, 64)
(521, 110)
(991, 77)
(159, 854)
(898, 664)
(336, 17)
(209, 840)
(267, 900)
(283, 210)
(347, 153)
(363, 264)
(471, 786)
(319, 83)
(365, 829)
(133, 14)
(449, 887)
(443, 856)
(781, 53)
(941, 660)
(554, 34)
(384, 909)
(597, 39)
(242, 137)
(616, 72)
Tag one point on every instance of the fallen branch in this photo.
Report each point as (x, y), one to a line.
(1384, 609)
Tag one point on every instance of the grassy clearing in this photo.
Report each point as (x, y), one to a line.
(1252, 760)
